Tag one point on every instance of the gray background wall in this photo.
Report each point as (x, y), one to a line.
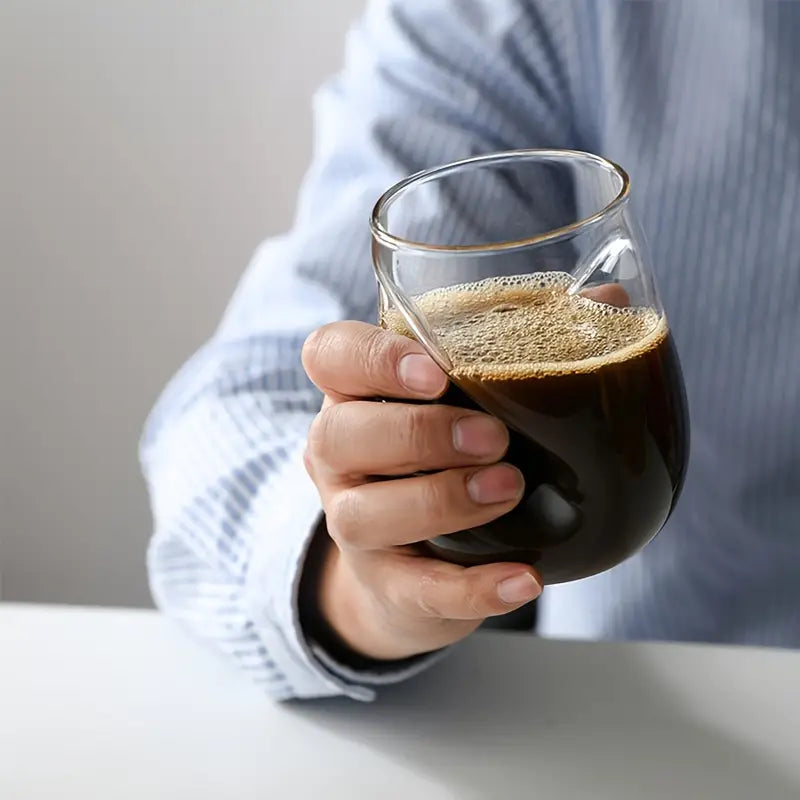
(146, 146)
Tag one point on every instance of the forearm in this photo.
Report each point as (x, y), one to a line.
(233, 506)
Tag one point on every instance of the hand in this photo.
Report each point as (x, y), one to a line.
(384, 599)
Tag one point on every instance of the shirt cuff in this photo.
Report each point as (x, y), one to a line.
(378, 676)
(273, 582)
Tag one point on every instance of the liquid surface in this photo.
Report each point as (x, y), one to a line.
(593, 397)
(527, 326)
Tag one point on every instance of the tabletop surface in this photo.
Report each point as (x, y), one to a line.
(121, 704)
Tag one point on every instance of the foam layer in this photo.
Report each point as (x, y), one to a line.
(527, 326)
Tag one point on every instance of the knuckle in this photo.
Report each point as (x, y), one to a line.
(318, 435)
(308, 462)
(428, 589)
(435, 500)
(343, 519)
(376, 352)
(416, 430)
(380, 352)
(476, 601)
(326, 433)
(315, 343)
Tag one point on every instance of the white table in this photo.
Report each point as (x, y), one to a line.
(119, 704)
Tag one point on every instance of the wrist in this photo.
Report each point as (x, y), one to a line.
(332, 608)
(348, 611)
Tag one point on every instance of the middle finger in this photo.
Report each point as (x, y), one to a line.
(361, 438)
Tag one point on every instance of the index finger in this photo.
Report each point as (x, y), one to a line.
(350, 360)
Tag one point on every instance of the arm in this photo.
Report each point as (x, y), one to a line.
(424, 82)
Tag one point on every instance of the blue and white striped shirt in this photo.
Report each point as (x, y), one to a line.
(701, 103)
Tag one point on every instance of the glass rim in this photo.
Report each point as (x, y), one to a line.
(385, 237)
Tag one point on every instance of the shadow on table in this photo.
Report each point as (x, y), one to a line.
(564, 720)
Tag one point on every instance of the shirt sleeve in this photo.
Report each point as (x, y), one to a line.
(424, 82)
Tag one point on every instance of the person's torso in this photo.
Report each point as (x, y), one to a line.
(700, 102)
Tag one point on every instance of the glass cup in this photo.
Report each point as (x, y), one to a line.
(527, 279)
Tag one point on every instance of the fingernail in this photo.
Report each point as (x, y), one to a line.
(418, 373)
(480, 435)
(521, 588)
(496, 484)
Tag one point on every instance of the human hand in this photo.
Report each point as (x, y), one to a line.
(382, 597)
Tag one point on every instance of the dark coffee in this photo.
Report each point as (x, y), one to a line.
(593, 397)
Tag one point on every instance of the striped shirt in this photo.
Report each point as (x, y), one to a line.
(701, 103)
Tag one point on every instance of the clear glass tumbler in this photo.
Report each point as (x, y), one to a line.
(526, 277)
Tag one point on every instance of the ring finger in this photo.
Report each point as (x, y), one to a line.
(407, 510)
